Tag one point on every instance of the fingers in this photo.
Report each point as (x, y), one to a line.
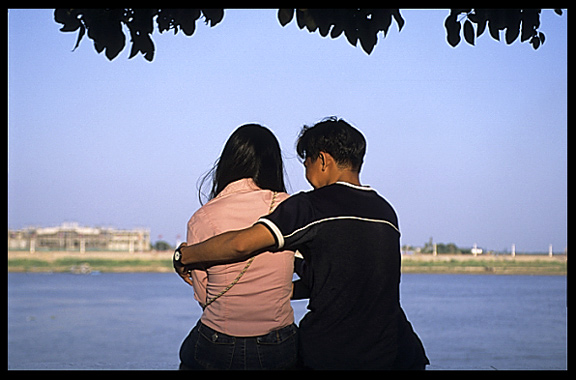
(186, 275)
(187, 279)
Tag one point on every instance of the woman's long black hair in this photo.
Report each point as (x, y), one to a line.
(252, 151)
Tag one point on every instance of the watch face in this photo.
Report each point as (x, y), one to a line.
(177, 255)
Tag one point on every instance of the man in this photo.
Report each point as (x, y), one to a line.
(350, 240)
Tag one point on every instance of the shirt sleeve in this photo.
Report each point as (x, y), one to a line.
(289, 222)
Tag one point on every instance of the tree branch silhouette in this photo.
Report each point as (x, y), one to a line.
(105, 27)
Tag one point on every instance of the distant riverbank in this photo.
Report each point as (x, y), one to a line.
(88, 262)
(486, 264)
(160, 261)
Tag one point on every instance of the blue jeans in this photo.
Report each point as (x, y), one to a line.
(205, 348)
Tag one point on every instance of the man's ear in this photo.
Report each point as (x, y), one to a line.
(322, 156)
(327, 160)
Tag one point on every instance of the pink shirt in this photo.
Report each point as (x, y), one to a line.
(260, 301)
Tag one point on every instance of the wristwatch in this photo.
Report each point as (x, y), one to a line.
(177, 258)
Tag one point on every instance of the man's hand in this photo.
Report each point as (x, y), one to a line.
(185, 274)
(182, 270)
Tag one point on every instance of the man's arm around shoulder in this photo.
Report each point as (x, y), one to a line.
(229, 246)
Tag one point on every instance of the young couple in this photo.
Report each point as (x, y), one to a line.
(239, 257)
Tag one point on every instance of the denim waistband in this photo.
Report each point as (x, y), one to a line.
(273, 337)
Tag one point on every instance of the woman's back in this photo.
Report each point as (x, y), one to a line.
(260, 301)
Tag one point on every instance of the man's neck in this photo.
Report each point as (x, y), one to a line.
(349, 177)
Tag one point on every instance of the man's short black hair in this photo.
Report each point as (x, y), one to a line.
(336, 137)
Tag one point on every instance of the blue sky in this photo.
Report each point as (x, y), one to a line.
(469, 144)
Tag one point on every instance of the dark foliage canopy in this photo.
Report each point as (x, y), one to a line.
(106, 26)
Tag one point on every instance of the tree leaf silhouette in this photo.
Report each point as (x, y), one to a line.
(469, 32)
(452, 30)
(285, 16)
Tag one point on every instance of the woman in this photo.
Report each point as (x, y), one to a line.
(251, 325)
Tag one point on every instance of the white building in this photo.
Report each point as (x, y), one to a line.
(72, 237)
(475, 250)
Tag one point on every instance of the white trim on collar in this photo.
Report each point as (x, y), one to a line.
(365, 188)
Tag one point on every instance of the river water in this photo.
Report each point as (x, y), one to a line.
(138, 320)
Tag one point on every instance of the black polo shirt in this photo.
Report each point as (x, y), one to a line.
(350, 240)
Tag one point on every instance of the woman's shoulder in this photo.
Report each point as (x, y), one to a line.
(219, 205)
(202, 217)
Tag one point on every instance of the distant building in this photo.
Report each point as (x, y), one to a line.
(475, 250)
(72, 237)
